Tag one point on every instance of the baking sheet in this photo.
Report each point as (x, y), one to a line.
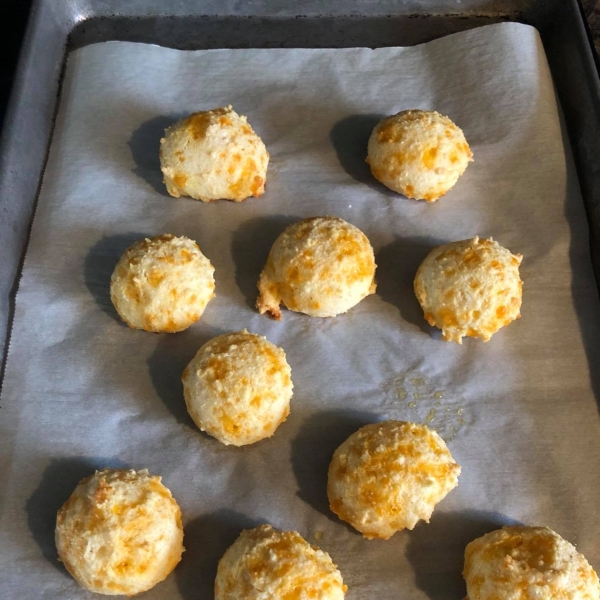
(82, 391)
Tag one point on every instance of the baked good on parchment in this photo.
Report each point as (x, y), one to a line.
(527, 563)
(238, 388)
(120, 532)
(388, 476)
(322, 266)
(162, 284)
(268, 564)
(418, 153)
(470, 288)
(212, 155)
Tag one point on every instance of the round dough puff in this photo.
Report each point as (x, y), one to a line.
(268, 564)
(470, 288)
(162, 284)
(387, 476)
(527, 563)
(120, 532)
(238, 388)
(322, 266)
(418, 153)
(213, 155)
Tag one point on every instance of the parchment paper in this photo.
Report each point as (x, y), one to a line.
(82, 391)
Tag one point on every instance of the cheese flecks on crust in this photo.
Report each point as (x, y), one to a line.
(321, 266)
(162, 284)
(469, 288)
(120, 532)
(268, 564)
(388, 476)
(238, 388)
(418, 153)
(213, 155)
(527, 563)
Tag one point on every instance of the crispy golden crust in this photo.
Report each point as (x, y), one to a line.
(322, 266)
(162, 284)
(527, 563)
(387, 476)
(238, 388)
(120, 532)
(268, 564)
(470, 288)
(418, 153)
(213, 155)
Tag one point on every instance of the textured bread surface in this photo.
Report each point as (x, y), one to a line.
(238, 388)
(268, 564)
(322, 266)
(213, 155)
(527, 563)
(388, 476)
(162, 284)
(470, 288)
(120, 532)
(418, 153)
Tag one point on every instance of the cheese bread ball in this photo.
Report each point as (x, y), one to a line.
(120, 532)
(527, 563)
(321, 266)
(470, 288)
(268, 564)
(238, 388)
(387, 476)
(213, 155)
(162, 284)
(418, 153)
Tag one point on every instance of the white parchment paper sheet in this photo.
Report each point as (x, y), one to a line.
(82, 391)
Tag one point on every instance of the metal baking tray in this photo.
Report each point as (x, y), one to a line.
(57, 26)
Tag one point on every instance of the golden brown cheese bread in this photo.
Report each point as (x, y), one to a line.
(322, 266)
(238, 388)
(418, 153)
(212, 155)
(120, 532)
(268, 564)
(162, 284)
(527, 563)
(470, 288)
(388, 476)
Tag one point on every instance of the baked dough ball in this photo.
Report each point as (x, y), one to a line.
(268, 564)
(238, 388)
(387, 476)
(213, 154)
(470, 288)
(321, 266)
(418, 153)
(120, 532)
(162, 284)
(527, 563)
